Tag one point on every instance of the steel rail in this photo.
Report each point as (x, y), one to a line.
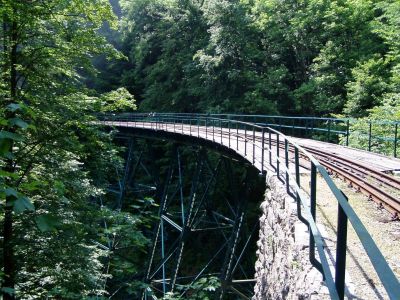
(380, 196)
(382, 177)
(281, 167)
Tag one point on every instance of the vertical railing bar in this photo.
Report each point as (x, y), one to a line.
(292, 127)
(237, 136)
(277, 154)
(313, 126)
(262, 149)
(396, 126)
(213, 131)
(340, 274)
(369, 136)
(298, 182)
(347, 132)
(297, 165)
(254, 144)
(329, 130)
(206, 121)
(229, 133)
(287, 164)
(220, 125)
(313, 209)
(270, 147)
(245, 140)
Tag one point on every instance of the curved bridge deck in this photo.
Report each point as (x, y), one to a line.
(234, 140)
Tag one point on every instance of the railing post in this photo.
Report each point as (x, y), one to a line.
(329, 131)
(369, 136)
(313, 209)
(190, 126)
(277, 155)
(245, 140)
(306, 123)
(297, 165)
(341, 245)
(237, 136)
(262, 150)
(347, 132)
(292, 127)
(312, 126)
(220, 125)
(287, 164)
(396, 126)
(254, 144)
(270, 147)
(206, 127)
(313, 190)
(229, 133)
(213, 131)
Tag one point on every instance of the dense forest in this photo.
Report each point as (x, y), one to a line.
(64, 61)
(269, 57)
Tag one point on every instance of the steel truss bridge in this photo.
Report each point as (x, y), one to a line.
(184, 212)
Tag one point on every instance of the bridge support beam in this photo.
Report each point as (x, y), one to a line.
(202, 230)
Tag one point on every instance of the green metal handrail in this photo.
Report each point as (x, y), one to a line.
(253, 134)
(334, 130)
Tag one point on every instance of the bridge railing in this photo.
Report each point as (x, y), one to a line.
(269, 150)
(371, 135)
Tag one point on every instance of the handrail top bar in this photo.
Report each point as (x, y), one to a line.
(387, 122)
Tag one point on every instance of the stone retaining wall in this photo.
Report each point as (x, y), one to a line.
(283, 270)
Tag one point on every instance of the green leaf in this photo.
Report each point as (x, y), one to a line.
(18, 122)
(22, 204)
(10, 136)
(11, 192)
(8, 174)
(13, 107)
(32, 186)
(46, 222)
(5, 145)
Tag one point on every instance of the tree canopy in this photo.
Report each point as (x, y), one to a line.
(263, 56)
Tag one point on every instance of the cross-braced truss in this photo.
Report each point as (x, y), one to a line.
(202, 229)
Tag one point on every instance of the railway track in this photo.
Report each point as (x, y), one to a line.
(377, 186)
